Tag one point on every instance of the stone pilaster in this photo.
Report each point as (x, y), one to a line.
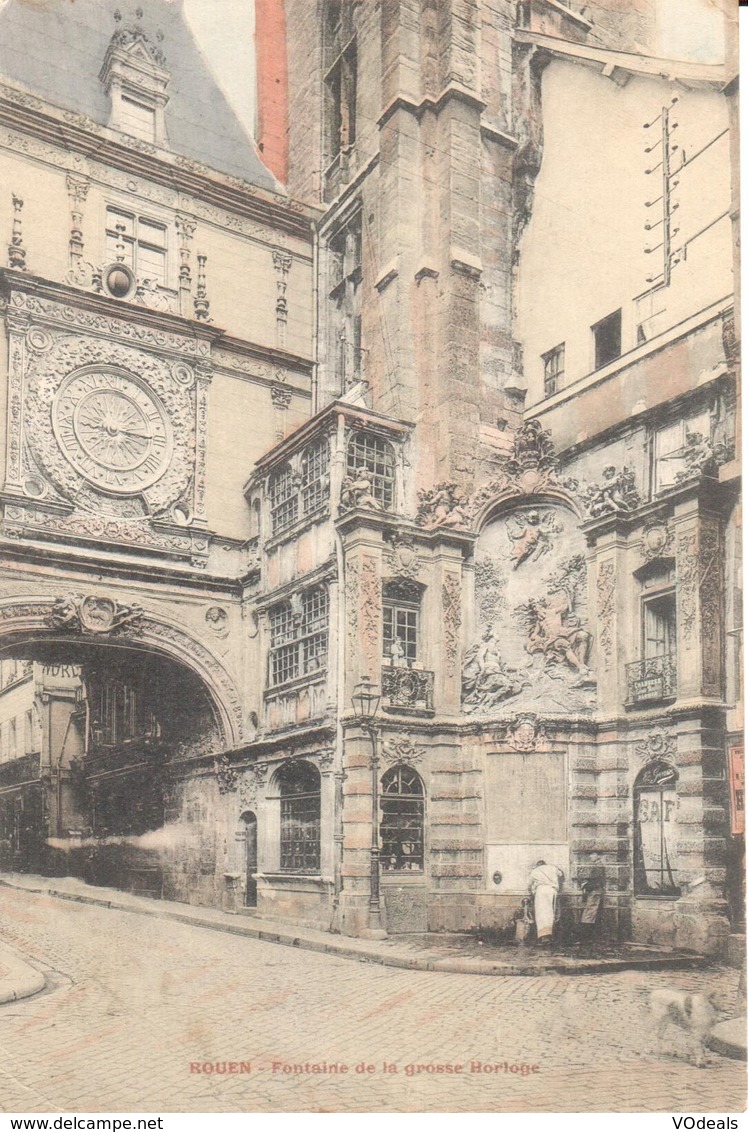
(699, 596)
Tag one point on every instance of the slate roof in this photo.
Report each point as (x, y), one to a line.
(55, 48)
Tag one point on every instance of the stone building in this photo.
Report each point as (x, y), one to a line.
(434, 410)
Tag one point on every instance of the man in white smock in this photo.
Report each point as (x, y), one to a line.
(545, 882)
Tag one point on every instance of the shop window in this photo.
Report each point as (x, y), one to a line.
(607, 336)
(655, 826)
(298, 636)
(138, 242)
(300, 808)
(284, 499)
(553, 369)
(373, 457)
(401, 828)
(315, 463)
(345, 304)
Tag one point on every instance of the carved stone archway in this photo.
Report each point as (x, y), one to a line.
(99, 619)
(495, 504)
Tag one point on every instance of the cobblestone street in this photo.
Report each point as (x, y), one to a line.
(133, 1001)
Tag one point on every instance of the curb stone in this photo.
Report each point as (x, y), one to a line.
(21, 980)
(384, 957)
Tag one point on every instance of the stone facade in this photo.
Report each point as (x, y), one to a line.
(492, 471)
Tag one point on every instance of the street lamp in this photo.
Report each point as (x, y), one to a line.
(365, 700)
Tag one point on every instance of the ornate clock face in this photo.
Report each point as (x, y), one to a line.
(112, 430)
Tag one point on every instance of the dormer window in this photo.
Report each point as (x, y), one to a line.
(137, 119)
(135, 76)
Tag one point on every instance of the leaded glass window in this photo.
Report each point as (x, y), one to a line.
(284, 499)
(298, 635)
(300, 806)
(314, 477)
(401, 828)
(373, 456)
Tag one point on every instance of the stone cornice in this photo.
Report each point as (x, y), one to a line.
(326, 572)
(435, 105)
(276, 356)
(75, 132)
(64, 563)
(356, 416)
(104, 305)
(671, 70)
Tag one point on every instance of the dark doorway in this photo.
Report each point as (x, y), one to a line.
(250, 841)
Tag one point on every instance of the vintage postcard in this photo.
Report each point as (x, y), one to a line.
(371, 735)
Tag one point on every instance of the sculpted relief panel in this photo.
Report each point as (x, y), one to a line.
(533, 643)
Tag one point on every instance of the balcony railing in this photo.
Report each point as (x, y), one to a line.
(652, 679)
(407, 688)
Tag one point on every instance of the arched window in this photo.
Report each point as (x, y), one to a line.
(401, 829)
(655, 825)
(284, 499)
(373, 456)
(299, 787)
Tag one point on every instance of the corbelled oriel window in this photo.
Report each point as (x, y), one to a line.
(300, 489)
(372, 457)
(298, 636)
(315, 462)
(284, 499)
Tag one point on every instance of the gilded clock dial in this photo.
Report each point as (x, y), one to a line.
(112, 430)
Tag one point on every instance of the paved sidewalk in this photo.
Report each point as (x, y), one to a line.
(137, 1007)
(459, 954)
(17, 978)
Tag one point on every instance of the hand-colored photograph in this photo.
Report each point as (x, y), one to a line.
(371, 725)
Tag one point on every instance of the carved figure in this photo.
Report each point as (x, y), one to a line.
(92, 614)
(358, 491)
(486, 680)
(701, 457)
(443, 506)
(397, 653)
(64, 612)
(555, 631)
(617, 493)
(530, 536)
